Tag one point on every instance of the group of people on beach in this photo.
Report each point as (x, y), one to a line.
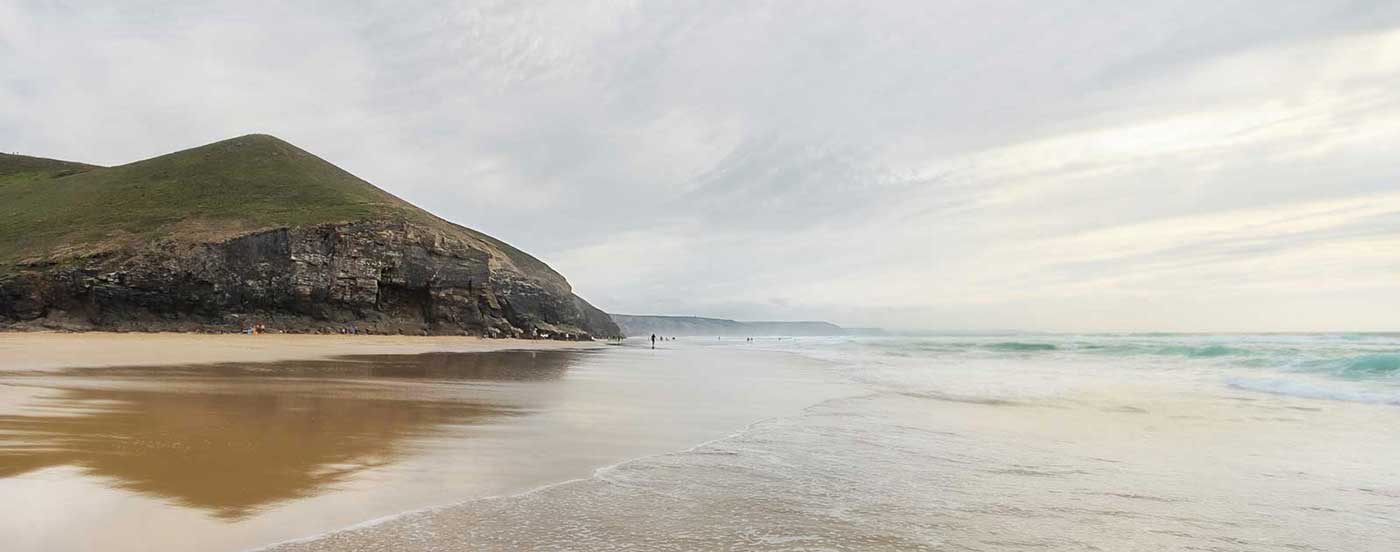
(255, 329)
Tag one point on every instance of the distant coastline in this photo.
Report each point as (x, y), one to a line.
(640, 325)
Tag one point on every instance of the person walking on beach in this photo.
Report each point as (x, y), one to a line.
(653, 341)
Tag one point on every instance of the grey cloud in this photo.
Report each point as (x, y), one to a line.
(751, 151)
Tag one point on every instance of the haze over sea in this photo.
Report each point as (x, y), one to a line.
(1007, 442)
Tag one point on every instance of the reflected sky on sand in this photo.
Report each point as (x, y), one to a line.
(234, 438)
(237, 455)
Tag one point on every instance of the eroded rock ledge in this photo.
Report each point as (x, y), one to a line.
(375, 277)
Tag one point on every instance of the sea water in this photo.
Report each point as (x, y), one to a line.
(1004, 442)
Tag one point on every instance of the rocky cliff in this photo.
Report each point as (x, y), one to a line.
(339, 254)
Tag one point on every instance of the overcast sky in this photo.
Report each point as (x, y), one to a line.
(1204, 165)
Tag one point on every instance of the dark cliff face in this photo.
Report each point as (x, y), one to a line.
(382, 277)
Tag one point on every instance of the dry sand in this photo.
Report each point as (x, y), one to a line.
(48, 351)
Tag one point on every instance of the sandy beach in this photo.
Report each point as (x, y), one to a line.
(53, 350)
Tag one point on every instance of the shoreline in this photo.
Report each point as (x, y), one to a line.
(370, 524)
(34, 351)
(398, 448)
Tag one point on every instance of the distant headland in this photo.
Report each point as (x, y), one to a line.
(636, 325)
(253, 230)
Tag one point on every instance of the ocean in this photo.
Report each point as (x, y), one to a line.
(993, 443)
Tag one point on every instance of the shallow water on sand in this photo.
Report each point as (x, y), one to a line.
(233, 456)
(990, 444)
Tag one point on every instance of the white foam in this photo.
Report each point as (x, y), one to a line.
(599, 474)
(1312, 390)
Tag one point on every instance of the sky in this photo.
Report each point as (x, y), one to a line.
(1057, 166)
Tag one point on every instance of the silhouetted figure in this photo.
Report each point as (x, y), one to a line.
(653, 341)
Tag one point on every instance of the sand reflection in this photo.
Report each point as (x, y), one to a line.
(233, 439)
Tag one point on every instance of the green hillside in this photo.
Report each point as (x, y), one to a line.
(57, 209)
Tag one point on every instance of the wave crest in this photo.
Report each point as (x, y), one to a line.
(1022, 346)
(1207, 351)
(1372, 365)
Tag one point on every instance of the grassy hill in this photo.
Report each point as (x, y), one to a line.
(22, 166)
(56, 209)
(53, 210)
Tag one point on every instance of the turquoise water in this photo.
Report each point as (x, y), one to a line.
(1344, 367)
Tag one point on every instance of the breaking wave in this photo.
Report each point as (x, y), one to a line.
(1313, 391)
(1206, 351)
(1372, 365)
(1016, 346)
(1361, 367)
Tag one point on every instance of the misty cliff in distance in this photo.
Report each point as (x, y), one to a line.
(256, 230)
(643, 325)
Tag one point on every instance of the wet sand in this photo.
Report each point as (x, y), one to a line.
(50, 350)
(237, 454)
(954, 444)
